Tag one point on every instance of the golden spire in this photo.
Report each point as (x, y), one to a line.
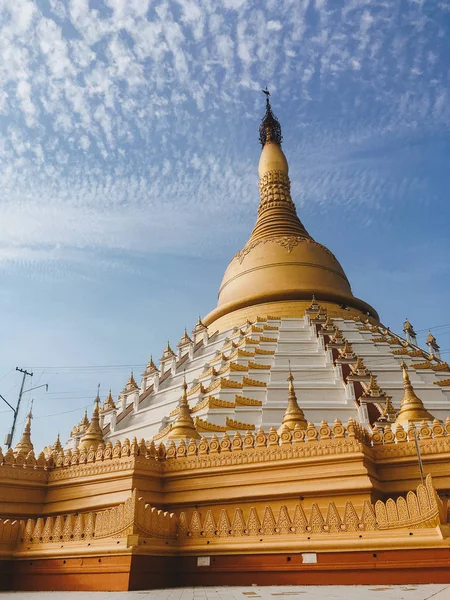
(25, 445)
(277, 214)
(184, 426)
(411, 406)
(57, 446)
(85, 421)
(150, 368)
(94, 434)
(293, 413)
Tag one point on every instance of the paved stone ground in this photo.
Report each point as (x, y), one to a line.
(332, 592)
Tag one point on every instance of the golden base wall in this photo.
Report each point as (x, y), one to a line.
(138, 516)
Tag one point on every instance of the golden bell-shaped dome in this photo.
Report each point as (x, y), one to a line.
(281, 266)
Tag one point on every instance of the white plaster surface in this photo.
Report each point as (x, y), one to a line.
(332, 592)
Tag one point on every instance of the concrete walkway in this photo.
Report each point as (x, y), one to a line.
(332, 592)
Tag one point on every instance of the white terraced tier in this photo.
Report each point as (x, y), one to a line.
(237, 379)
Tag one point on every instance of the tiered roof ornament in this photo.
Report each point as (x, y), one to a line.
(109, 403)
(168, 353)
(131, 384)
(151, 368)
(94, 434)
(313, 307)
(433, 345)
(25, 445)
(185, 340)
(411, 406)
(82, 426)
(347, 351)
(184, 426)
(199, 327)
(373, 390)
(293, 414)
(359, 368)
(410, 334)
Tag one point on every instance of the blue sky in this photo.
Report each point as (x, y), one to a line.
(128, 170)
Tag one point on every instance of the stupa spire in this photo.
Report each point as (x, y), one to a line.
(184, 426)
(94, 434)
(25, 445)
(293, 413)
(277, 214)
(411, 406)
(270, 128)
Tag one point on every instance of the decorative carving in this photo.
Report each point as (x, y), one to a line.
(233, 424)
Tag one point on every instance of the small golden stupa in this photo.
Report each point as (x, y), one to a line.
(411, 407)
(294, 414)
(94, 434)
(184, 426)
(25, 445)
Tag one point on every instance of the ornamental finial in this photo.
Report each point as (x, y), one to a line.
(270, 128)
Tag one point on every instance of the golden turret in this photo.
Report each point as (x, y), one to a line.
(25, 445)
(411, 406)
(94, 434)
(293, 413)
(168, 352)
(131, 384)
(185, 340)
(433, 346)
(150, 368)
(200, 326)
(281, 263)
(109, 403)
(184, 426)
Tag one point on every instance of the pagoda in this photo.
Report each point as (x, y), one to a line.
(291, 437)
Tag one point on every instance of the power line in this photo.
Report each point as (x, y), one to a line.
(96, 366)
(433, 328)
(66, 412)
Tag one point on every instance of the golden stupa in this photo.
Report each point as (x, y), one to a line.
(236, 481)
(281, 266)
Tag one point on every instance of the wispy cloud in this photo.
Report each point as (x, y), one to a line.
(117, 117)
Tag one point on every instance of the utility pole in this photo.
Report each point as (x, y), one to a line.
(10, 435)
(16, 412)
